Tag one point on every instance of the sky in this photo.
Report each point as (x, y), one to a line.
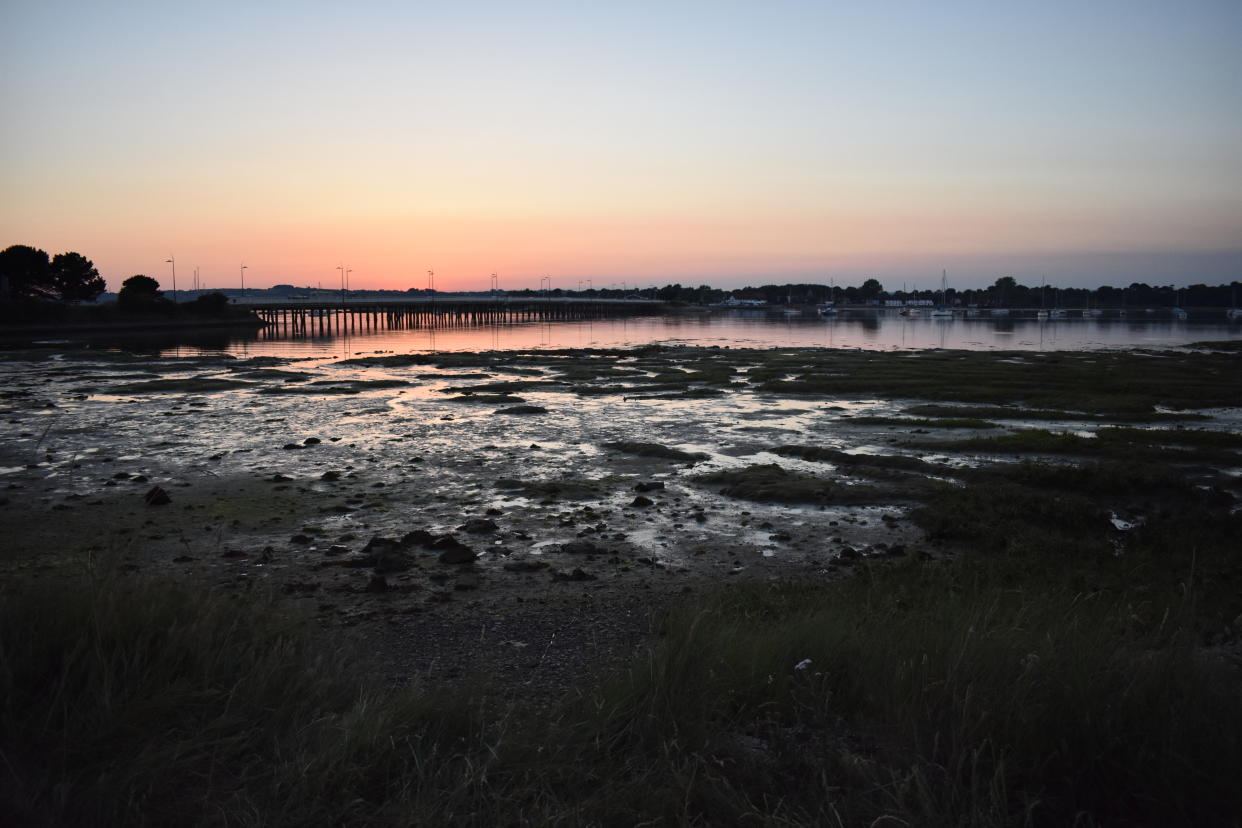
(725, 143)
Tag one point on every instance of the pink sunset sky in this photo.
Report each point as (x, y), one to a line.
(720, 143)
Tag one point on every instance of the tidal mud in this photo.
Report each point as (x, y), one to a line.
(385, 494)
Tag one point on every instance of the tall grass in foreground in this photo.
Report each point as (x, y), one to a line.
(943, 696)
(129, 704)
(933, 695)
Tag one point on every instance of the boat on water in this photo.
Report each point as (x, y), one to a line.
(1178, 313)
(1000, 311)
(1234, 313)
(1057, 313)
(942, 309)
(827, 308)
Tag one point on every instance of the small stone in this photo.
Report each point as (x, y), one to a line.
(478, 526)
(311, 441)
(581, 547)
(642, 502)
(525, 566)
(651, 486)
(157, 497)
(576, 575)
(290, 446)
(418, 537)
(457, 555)
(330, 475)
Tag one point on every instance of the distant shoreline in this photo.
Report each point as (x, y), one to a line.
(11, 332)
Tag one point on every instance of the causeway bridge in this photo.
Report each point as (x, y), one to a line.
(321, 317)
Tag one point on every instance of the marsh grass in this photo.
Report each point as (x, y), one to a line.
(994, 690)
(140, 704)
(946, 695)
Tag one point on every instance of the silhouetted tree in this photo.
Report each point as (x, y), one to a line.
(871, 289)
(25, 273)
(140, 291)
(74, 278)
(210, 304)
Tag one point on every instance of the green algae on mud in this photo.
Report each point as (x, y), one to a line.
(187, 385)
(1154, 444)
(921, 422)
(1096, 384)
(655, 450)
(992, 412)
(769, 483)
(844, 458)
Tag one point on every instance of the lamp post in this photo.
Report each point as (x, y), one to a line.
(495, 283)
(242, 274)
(341, 268)
(172, 260)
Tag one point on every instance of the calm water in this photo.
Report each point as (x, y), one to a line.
(881, 332)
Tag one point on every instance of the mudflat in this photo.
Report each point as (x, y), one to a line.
(519, 515)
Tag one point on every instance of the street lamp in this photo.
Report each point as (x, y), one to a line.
(495, 283)
(342, 269)
(242, 273)
(172, 260)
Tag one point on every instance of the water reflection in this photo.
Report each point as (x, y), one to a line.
(869, 331)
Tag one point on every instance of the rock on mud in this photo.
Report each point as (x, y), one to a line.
(157, 497)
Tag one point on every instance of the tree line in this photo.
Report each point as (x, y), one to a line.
(29, 273)
(35, 287)
(1005, 292)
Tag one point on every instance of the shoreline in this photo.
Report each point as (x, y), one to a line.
(656, 543)
(23, 332)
